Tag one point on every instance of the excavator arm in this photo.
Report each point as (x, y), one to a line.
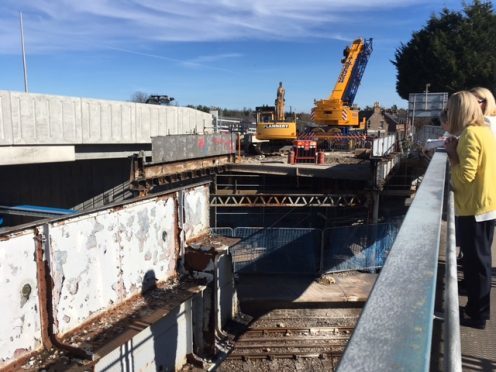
(272, 123)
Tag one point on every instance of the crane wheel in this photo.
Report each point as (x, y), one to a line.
(318, 130)
(334, 131)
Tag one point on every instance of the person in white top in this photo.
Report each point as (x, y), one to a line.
(487, 104)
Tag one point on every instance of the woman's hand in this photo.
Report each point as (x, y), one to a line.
(450, 145)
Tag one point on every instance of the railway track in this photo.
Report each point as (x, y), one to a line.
(293, 338)
(305, 331)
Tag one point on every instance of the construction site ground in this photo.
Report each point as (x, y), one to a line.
(338, 164)
(331, 288)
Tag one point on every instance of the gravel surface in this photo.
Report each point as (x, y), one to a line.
(302, 339)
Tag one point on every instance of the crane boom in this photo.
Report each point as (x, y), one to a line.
(337, 109)
(357, 72)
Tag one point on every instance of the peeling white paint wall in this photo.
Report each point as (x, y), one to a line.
(19, 321)
(100, 259)
(157, 248)
(96, 261)
(196, 212)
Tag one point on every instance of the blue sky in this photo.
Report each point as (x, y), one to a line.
(226, 53)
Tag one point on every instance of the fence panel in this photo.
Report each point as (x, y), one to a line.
(363, 247)
(222, 231)
(276, 250)
(284, 250)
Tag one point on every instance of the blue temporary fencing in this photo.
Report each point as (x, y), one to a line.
(361, 247)
(310, 251)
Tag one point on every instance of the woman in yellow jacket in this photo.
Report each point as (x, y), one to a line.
(473, 171)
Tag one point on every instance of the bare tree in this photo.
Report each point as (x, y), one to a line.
(139, 97)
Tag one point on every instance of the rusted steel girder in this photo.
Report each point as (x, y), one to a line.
(288, 200)
(144, 176)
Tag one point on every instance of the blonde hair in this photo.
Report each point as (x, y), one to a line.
(463, 110)
(443, 117)
(486, 95)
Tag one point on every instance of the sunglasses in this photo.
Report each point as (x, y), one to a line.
(482, 101)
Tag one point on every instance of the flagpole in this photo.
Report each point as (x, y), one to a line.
(26, 89)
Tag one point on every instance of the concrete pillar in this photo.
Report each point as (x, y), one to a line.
(375, 206)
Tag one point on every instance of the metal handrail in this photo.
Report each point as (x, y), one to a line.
(394, 332)
(452, 344)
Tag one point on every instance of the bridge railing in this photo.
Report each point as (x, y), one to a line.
(394, 332)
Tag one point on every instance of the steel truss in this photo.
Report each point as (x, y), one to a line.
(288, 200)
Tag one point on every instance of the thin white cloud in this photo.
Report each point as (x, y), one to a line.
(196, 62)
(54, 25)
(215, 57)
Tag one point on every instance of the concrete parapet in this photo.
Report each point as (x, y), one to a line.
(30, 120)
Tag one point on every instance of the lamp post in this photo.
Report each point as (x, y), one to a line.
(426, 92)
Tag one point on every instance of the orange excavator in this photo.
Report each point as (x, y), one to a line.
(272, 123)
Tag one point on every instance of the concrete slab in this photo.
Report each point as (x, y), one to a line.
(14, 155)
(338, 288)
(359, 171)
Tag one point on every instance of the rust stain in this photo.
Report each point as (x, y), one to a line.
(197, 260)
(118, 208)
(199, 238)
(13, 234)
(48, 339)
(165, 197)
(42, 292)
(177, 230)
(16, 365)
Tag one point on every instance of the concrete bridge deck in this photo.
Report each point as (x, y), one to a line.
(39, 128)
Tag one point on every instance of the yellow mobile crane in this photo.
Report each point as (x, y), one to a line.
(272, 123)
(338, 110)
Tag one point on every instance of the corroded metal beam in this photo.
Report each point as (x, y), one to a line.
(145, 176)
(148, 171)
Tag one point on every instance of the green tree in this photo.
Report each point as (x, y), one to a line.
(454, 51)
